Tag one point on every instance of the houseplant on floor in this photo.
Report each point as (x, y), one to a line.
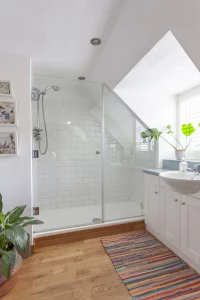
(187, 130)
(12, 236)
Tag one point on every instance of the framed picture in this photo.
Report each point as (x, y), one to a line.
(6, 88)
(7, 113)
(8, 143)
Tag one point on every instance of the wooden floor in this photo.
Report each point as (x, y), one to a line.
(74, 271)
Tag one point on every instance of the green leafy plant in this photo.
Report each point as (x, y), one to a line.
(13, 234)
(154, 133)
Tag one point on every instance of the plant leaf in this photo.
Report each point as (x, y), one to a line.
(1, 203)
(33, 222)
(187, 129)
(2, 218)
(18, 236)
(14, 215)
(6, 264)
(151, 133)
(169, 127)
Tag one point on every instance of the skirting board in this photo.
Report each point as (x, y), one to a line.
(81, 235)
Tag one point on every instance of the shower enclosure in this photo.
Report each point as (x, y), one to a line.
(92, 171)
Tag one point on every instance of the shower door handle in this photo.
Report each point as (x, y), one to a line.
(97, 152)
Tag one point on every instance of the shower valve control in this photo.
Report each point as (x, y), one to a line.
(97, 152)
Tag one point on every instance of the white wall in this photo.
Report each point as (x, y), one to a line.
(156, 110)
(15, 175)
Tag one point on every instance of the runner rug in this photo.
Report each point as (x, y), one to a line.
(149, 270)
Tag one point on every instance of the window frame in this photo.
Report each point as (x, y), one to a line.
(180, 99)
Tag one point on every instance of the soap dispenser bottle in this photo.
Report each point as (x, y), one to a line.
(183, 166)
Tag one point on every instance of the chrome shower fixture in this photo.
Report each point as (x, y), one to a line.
(36, 93)
(54, 87)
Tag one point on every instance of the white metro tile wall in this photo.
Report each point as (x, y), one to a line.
(69, 175)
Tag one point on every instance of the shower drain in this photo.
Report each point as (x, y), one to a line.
(96, 220)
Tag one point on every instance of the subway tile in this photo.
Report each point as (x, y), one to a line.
(70, 151)
(70, 163)
(76, 157)
(56, 200)
(95, 128)
(88, 122)
(89, 202)
(64, 205)
(69, 198)
(89, 145)
(45, 201)
(88, 157)
(50, 207)
(76, 145)
(83, 197)
(76, 203)
(63, 193)
(111, 199)
(79, 192)
(76, 169)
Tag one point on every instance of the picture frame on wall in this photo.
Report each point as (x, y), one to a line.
(8, 113)
(6, 88)
(8, 143)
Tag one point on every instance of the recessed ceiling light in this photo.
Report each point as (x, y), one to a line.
(95, 41)
(68, 122)
(81, 78)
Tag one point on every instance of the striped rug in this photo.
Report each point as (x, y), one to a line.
(150, 270)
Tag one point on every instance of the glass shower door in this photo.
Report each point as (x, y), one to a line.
(69, 186)
(125, 157)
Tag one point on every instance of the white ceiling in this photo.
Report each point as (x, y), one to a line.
(57, 33)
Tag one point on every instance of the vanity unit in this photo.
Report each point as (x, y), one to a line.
(174, 218)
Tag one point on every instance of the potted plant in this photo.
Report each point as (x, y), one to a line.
(186, 129)
(13, 236)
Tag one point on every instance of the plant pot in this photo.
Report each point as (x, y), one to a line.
(180, 154)
(7, 285)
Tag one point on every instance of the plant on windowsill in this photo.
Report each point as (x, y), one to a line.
(186, 129)
(13, 236)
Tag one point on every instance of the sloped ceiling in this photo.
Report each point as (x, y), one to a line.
(139, 26)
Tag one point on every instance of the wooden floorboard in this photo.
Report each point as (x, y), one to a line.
(74, 271)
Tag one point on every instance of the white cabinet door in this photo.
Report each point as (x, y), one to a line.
(151, 205)
(170, 216)
(190, 227)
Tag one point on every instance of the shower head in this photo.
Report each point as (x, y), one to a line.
(53, 87)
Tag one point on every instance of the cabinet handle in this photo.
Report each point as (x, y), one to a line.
(182, 203)
(175, 200)
(155, 192)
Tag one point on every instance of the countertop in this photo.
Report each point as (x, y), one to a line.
(154, 171)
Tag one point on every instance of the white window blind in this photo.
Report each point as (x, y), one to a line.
(189, 112)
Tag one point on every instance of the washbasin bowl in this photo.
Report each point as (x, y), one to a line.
(182, 182)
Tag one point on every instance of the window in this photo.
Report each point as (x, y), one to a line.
(189, 112)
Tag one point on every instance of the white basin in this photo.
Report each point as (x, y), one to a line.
(184, 183)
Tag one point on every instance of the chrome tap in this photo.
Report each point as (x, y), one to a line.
(195, 169)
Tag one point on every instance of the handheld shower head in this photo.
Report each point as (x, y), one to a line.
(54, 87)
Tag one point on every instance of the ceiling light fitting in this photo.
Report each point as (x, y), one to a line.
(95, 41)
(81, 78)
